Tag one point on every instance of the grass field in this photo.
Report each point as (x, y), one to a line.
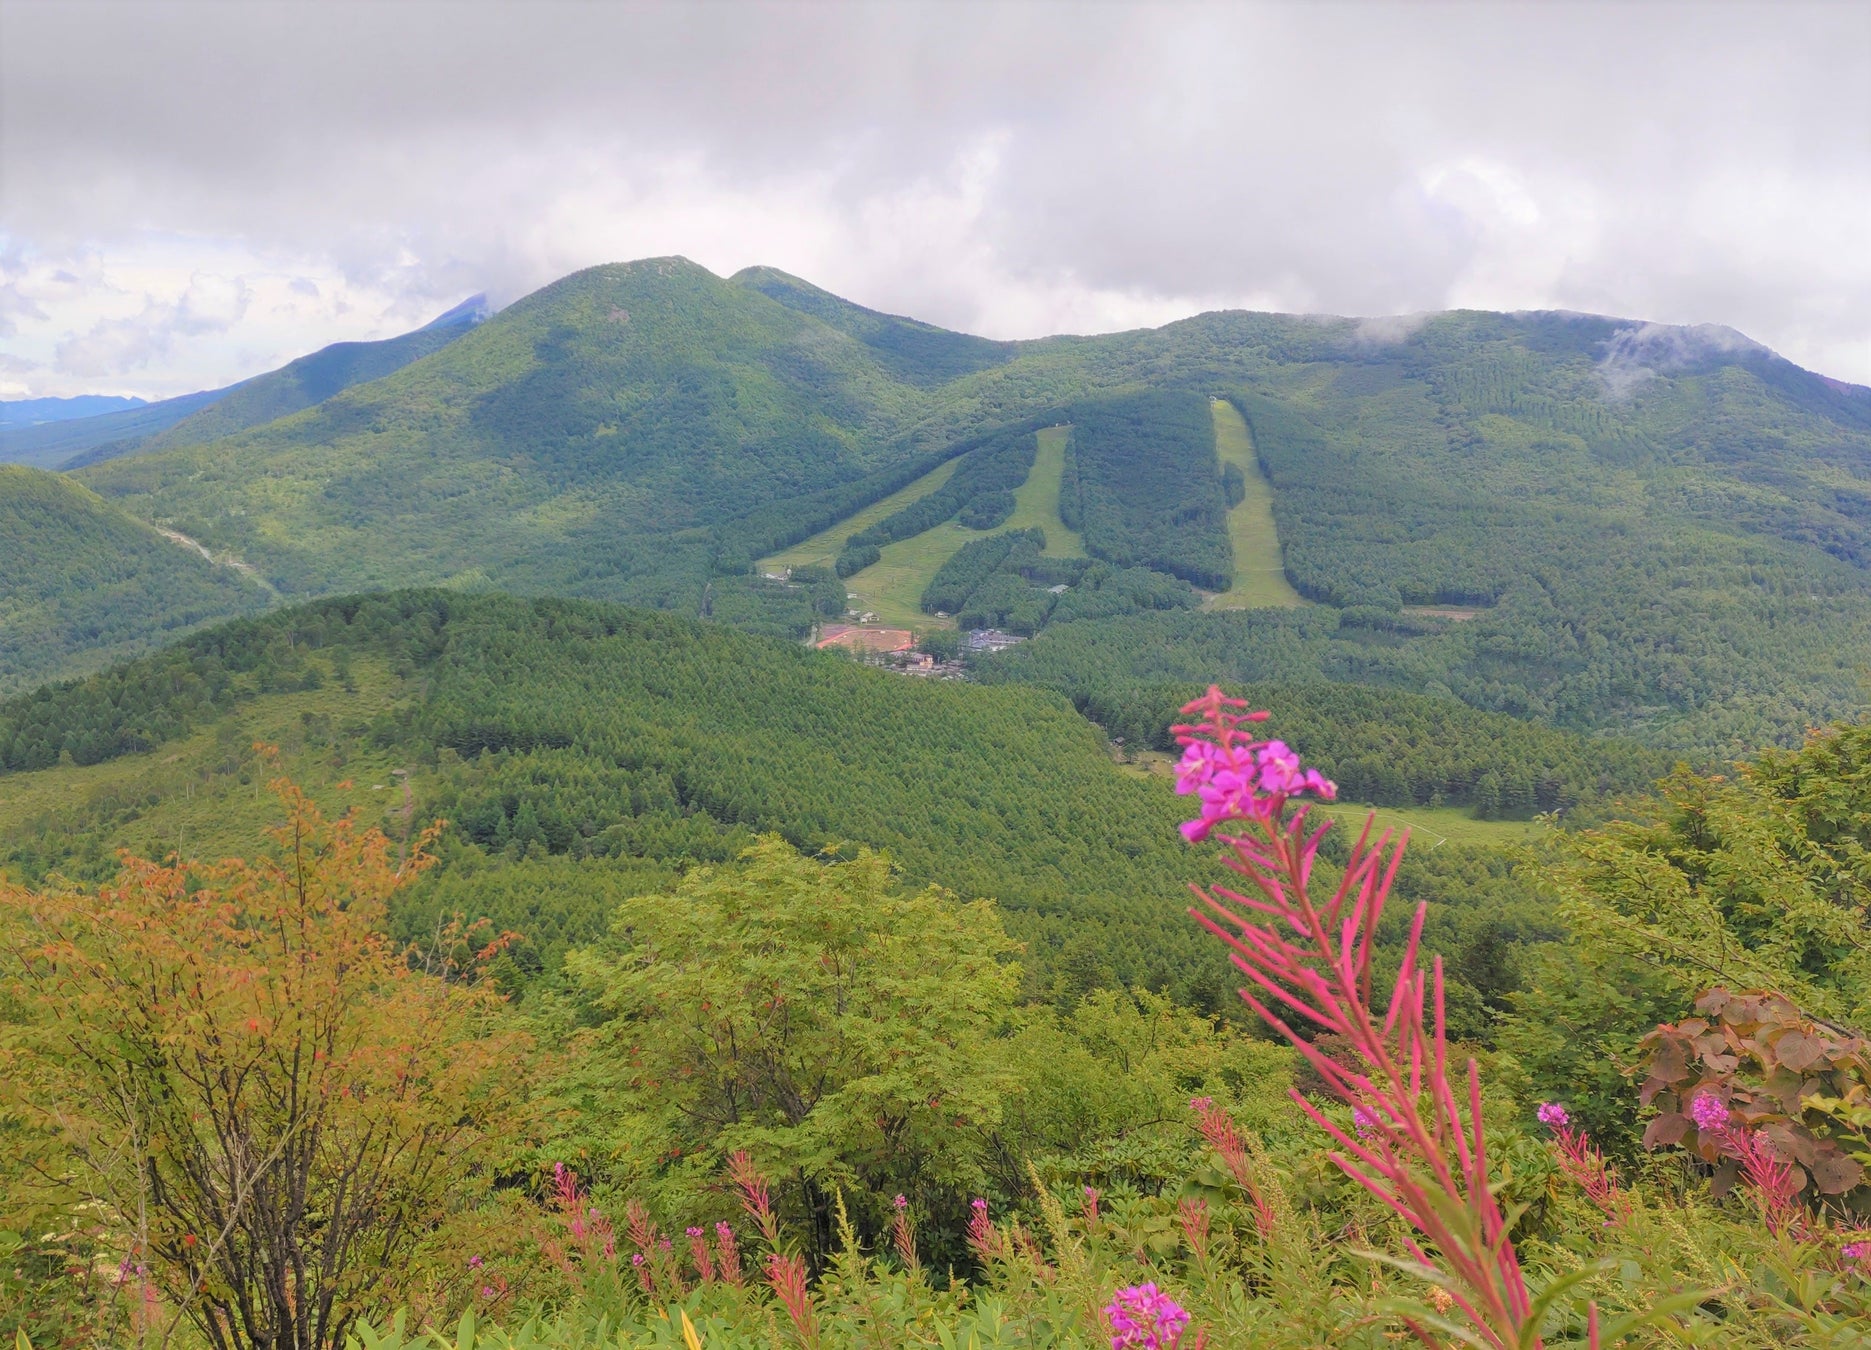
(1429, 826)
(823, 546)
(1036, 504)
(1259, 577)
(206, 795)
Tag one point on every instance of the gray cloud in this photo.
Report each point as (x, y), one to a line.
(1002, 167)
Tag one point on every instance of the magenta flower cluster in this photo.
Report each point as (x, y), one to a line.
(1554, 1115)
(1142, 1315)
(1708, 1112)
(1235, 776)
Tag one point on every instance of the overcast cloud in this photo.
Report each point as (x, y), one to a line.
(190, 193)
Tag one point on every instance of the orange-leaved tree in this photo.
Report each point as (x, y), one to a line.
(266, 1096)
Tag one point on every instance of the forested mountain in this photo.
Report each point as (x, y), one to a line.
(579, 748)
(1606, 525)
(136, 426)
(80, 579)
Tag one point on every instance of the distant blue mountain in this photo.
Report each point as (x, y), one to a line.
(33, 412)
(135, 426)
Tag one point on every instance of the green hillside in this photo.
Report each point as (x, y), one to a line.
(542, 449)
(604, 745)
(1253, 539)
(1604, 525)
(213, 413)
(82, 582)
(290, 389)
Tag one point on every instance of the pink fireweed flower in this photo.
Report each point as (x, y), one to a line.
(1580, 1160)
(1217, 1128)
(1708, 1112)
(900, 1202)
(983, 1236)
(1854, 1252)
(698, 1253)
(1364, 1122)
(1142, 1315)
(1235, 776)
(786, 1276)
(1311, 962)
(730, 1253)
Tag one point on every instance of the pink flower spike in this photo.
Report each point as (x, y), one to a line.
(1415, 1141)
(1553, 1114)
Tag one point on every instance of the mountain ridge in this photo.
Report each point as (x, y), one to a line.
(642, 432)
(210, 413)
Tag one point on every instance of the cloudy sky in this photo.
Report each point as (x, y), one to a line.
(194, 192)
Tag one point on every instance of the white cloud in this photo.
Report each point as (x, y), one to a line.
(1013, 169)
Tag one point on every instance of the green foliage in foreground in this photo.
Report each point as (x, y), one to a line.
(795, 1007)
(1751, 882)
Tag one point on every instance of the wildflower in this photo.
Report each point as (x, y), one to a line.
(1192, 1214)
(903, 1238)
(636, 1259)
(1440, 1299)
(475, 1263)
(786, 1276)
(1313, 960)
(1855, 1251)
(730, 1253)
(700, 1255)
(487, 1291)
(1217, 1127)
(1235, 776)
(1365, 1122)
(1142, 1315)
(756, 1199)
(983, 1236)
(1553, 1114)
(1708, 1112)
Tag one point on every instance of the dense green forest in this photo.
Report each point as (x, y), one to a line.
(80, 579)
(1144, 486)
(628, 739)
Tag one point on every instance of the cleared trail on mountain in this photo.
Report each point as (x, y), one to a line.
(1036, 504)
(1259, 573)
